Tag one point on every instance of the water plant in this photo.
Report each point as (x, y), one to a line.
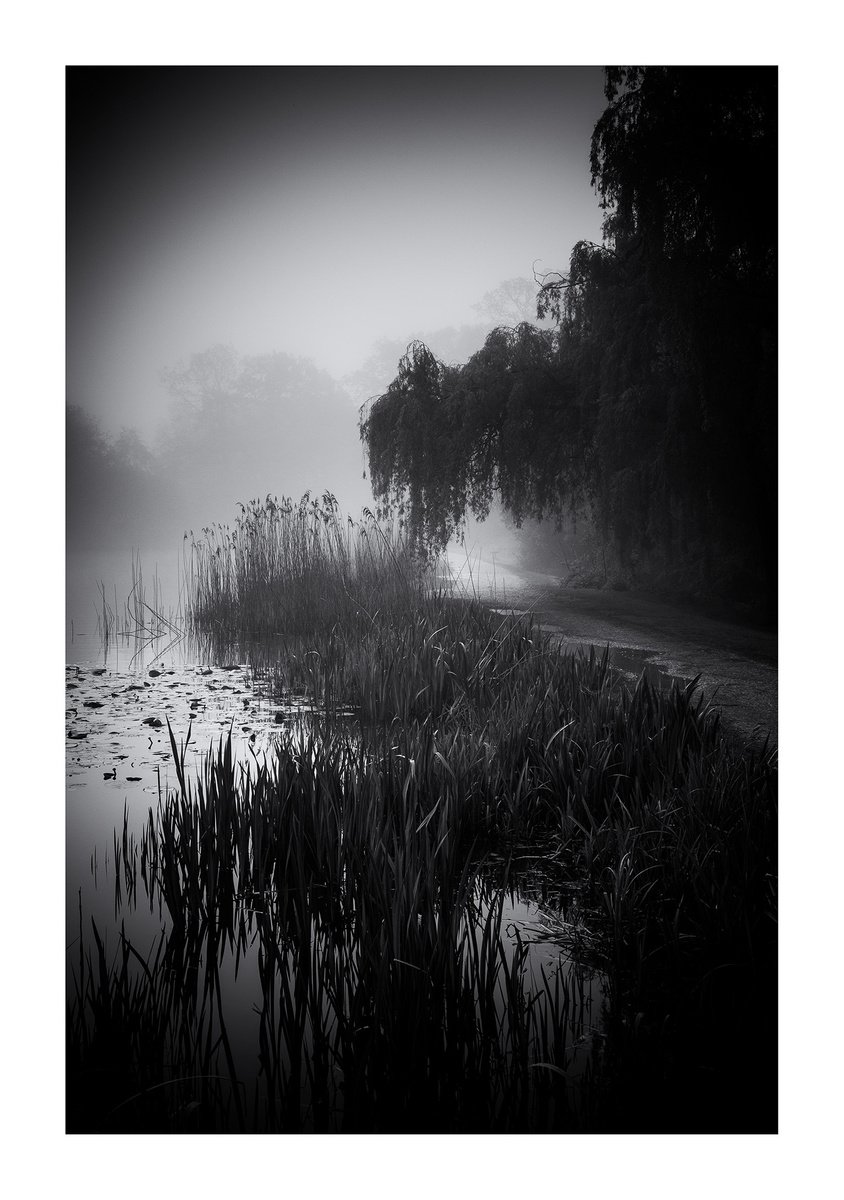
(357, 875)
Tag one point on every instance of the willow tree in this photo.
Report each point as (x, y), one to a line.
(443, 440)
(680, 303)
(653, 401)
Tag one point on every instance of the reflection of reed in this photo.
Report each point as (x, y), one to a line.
(378, 1041)
(390, 997)
(143, 622)
(348, 877)
(147, 1044)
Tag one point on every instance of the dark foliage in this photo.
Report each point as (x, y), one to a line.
(653, 404)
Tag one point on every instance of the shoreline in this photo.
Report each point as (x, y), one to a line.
(737, 664)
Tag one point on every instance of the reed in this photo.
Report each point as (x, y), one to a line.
(391, 999)
(290, 567)
(361, 868)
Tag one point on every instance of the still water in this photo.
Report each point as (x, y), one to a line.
(130, 700)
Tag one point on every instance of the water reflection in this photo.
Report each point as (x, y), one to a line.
(278, 1011)
(237, 964)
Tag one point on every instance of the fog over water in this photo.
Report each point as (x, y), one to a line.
(250, 250)
(249, 253)
(387, 862)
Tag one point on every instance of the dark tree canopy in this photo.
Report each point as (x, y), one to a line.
(652, 405)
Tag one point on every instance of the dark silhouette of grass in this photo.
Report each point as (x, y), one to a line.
(364, 866)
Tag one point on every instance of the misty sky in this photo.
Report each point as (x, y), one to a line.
(306, 210)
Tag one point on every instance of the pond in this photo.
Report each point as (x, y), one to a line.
(495, 1025)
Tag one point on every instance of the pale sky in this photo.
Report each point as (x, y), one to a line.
(306, 210)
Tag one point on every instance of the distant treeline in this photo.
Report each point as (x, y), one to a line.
(238, 428)
(650, 409)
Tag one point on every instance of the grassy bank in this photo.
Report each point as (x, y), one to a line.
(453, 757)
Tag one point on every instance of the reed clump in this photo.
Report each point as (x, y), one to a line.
(287, 568)
(357, 858)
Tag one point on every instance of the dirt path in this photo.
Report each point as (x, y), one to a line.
(737, 663)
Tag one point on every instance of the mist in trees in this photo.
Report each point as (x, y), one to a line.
(116, 492)
(450, 344)
(243, 427)
(510, 303)
(649, 408)
(238, 427)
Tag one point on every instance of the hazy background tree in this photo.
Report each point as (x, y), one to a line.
(237, 428)
(511, 303)
(116, 495)
(240, 427)
(450, 344)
